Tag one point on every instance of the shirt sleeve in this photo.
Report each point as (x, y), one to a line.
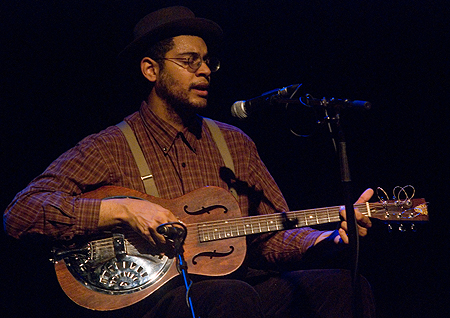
(52, 204)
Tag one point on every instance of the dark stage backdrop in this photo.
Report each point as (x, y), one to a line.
(60, 81)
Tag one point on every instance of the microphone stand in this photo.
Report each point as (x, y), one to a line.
(352, 230)
(335, 106)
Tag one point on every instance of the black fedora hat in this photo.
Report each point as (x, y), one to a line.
(166, 23)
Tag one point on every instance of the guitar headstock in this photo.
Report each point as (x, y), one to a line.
(411, 210)
(401, 209)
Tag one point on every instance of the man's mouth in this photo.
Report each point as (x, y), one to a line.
(201, 89)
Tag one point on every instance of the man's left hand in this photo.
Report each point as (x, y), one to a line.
(363, 221)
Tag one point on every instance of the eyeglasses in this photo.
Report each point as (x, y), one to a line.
(193, 62)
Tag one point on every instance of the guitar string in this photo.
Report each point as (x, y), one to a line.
(256, 224)
(221, 229)
(242, 227)
(321, 215)
(225, 228)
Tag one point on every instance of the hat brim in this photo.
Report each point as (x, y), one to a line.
(208, 30)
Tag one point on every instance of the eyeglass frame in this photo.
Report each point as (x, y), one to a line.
(191, 59)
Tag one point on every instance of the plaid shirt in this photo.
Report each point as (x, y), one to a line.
(180, 162)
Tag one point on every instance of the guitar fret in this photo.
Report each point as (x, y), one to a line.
(216, 231)
(232, 228)
(309, 218)
(271, 225)
(230, 233)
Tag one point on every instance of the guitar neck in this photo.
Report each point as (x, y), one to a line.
(224, 229)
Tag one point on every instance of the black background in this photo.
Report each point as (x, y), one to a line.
(60, 81)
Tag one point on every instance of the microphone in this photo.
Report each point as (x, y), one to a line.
(243, 108)
(170, 231)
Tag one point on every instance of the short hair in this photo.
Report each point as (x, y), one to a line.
(158, 51)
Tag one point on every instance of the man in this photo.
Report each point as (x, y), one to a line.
(171, 47)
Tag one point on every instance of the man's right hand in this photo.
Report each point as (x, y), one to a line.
(142, 216)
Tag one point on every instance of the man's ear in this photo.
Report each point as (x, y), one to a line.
(150, 69)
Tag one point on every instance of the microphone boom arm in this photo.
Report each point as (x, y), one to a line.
(323, 103)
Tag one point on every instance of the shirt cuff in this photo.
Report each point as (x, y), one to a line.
(87, 212)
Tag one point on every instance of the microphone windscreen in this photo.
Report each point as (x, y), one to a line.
(238, 110)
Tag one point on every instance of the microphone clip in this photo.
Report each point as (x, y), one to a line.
(174, 232)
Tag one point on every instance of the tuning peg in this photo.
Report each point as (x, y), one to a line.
(401, 228)
(389, 228)
(407, 203)
(413, 227)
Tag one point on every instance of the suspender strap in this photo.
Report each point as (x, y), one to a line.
(223, 148)
(144, 170)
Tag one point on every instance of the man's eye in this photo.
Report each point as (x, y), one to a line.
(194, 59)
(185, 61)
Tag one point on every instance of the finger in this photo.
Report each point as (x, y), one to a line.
(148, 229)
(338, 239)
(365, 196)
(363, 220)
(362, 231)
(343, 235)
(146, 233)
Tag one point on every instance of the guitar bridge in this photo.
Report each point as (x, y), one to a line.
(119, 245)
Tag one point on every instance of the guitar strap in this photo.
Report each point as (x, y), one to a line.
(144, 169)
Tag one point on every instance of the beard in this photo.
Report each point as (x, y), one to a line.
(179, 106)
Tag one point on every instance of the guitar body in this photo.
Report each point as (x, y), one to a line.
(101, 279)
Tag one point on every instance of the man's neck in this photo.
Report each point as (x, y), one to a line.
(166, 113)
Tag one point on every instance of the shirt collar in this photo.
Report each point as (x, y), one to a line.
(165, 134)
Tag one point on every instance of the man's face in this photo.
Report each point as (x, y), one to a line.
(178, 85)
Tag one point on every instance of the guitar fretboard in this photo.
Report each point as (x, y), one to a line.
(219, 230)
